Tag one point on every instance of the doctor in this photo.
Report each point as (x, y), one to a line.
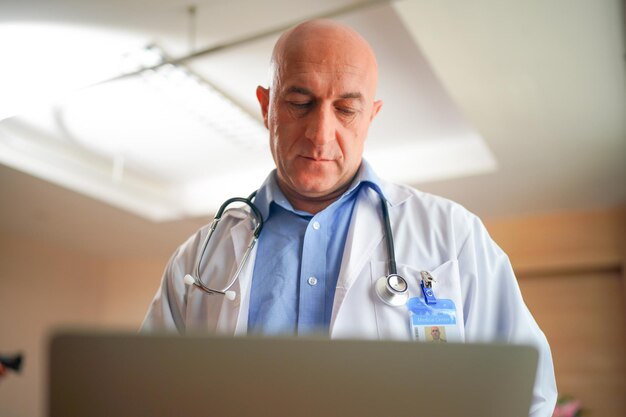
(323, 245)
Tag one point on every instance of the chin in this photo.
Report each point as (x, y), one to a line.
(314, 187)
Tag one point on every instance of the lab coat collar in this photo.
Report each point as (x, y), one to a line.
(233, 315)
(365, 235)
(239, 306)
(393, 193)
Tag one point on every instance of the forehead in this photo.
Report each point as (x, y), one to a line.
(330, 64)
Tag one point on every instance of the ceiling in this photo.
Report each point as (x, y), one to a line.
(165, 144)
(541, 84)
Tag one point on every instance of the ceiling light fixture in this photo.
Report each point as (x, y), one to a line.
(139, 142)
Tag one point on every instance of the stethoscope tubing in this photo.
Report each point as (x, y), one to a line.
(388, 294)
(391, 253)
(255, 236)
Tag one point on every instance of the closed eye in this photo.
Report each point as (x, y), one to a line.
(346, 111)
(300, 104)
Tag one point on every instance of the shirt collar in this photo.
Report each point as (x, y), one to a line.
(366, 176)
(270, 191)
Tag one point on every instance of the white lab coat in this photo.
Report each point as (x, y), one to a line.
(430, 233)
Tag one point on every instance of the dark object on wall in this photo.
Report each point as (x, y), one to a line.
(13, 362)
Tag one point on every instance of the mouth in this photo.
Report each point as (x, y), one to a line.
(316, 159)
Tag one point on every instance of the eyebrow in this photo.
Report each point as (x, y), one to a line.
(357, 96)
(307, 92)
(299, 90)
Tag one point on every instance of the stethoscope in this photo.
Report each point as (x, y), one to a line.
(392, 289)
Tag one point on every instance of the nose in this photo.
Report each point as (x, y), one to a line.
(321, 125)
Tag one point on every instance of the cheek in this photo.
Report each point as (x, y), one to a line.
(351, 144)
(286, 132)
(281, 143)
(274, 126)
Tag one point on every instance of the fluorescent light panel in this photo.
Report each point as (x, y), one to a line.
(136, 142)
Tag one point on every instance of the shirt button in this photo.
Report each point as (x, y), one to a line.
(316, 225)
(312, 281)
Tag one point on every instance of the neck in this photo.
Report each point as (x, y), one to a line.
(310, 204)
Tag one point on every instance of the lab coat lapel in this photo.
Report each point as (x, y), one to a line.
(364, 236)
(233, 314)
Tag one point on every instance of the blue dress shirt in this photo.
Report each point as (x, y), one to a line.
(298, 260)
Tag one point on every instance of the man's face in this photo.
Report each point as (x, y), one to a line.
(318, 115)
(434, 332)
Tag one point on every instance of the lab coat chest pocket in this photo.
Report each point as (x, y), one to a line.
(394, 322)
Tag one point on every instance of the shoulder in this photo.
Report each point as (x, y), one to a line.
(434, 220)
(429, 207)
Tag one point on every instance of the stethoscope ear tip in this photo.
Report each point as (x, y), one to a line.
(230, 295)
(189, 280)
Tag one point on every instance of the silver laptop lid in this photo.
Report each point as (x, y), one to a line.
(105, 374)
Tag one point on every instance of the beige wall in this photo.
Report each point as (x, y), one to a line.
(131, 284)
(560, 259)
(44, 287)
(571, 269)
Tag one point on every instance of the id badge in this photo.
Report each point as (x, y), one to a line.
(433, 323)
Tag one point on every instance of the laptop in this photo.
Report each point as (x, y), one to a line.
(127, 374)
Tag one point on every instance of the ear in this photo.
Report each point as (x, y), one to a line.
(263, 95)
(378, 104)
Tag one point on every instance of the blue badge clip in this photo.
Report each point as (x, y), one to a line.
(427, 284)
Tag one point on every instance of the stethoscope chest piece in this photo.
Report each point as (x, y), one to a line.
(393, 290)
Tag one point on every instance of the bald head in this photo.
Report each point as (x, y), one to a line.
(318, 110)
(322, 41)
